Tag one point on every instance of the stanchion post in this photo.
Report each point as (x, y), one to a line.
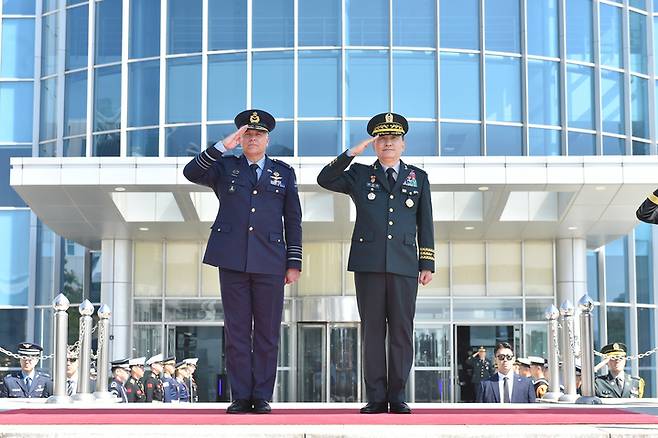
(61, 321)
(586, 305)
(103, 359)
(84, 357)
(568, 360)
(554, 393)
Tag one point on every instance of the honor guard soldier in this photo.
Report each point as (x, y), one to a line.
(191, 383)
(134, 386)
(153, 381)
(256, 241)
(120, 374)
(648, 211)
(524, 367)
(537, 367)
(392, 252)
(169, 384)
(181, 381)
(28, 382)
(617, 384)
(481, 366)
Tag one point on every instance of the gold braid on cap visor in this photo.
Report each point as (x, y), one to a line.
(387, 128)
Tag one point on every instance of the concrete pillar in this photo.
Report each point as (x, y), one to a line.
(116, 291)
(571, 269)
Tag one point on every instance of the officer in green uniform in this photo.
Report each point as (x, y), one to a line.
(617, 383)
(481, 366)
(648, 211)
(392, 252)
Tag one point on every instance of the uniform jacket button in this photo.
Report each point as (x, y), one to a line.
(255, 192)
(389, 237)
(251, 228)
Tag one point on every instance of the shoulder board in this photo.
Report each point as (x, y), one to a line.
(46, 375)
(417, 169)
(636, 378)
(284, 164)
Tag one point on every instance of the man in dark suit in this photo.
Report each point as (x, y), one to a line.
(393, 212)
(28, 382)
(506, 386)
(259, 200)
(648, 210)
(617, 383)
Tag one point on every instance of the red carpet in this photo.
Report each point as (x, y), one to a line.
(168, 416)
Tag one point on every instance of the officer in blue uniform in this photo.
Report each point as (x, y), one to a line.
(169, 384)
(181, 377)
(392, 252)
(120, 374)
(256, 241)
(28, 382)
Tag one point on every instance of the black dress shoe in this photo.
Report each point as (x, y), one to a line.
(239, 406)
(375, 408)
(400, 408)
(261, 407)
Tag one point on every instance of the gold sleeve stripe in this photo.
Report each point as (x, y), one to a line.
(653, 198)
(427, 249)
(424, 257)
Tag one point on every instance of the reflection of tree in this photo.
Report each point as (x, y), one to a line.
(73, 290)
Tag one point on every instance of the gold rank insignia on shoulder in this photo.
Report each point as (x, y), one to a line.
(254, 118)
(409, 202)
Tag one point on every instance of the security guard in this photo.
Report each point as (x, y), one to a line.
(153, 381)
(648, 211)
(537, 367)
(120, 374)
(259, 200)
(617, 384)
(135, 386)
(394, 212)
(481, 366)
(28, 382)
(169, 384)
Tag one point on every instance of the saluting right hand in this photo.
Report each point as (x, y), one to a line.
(358, 149)
(231, 141)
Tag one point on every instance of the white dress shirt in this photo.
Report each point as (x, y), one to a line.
(510, 384)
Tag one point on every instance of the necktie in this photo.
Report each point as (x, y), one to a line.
(505, 391)
(620, 383)
(254, 173)
(28, 383)
(69, 387)
(389, 177)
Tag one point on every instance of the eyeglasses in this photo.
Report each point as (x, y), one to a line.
(505, 356)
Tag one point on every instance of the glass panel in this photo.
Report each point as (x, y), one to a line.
(367, 23)
(458, 102)
(148, 269)
(420, 140)
(536, 340)
(147, 310)
(538, 268)
(535, 310)
(367, 82)
(17, 48)
(95, 281)
(543, 142)
(312, 363)
(47, 120)
(182, 141)
(77, 23)
(440, 285)
(543, 92)
(143, 143)
(641, 148)
(18, 7)
(638, 41)
(612, 98)
(220, 131)
(147, 340)
(107, 98)
(504, 140)
(640, 4)
(75, 103)
(646, 340)
(108, 31)
(655, 41)
(432, 386)
(619, 325)
(143, 93)
(193, 310)
(273, 68)
(144, 37)
(45, 264)
(227, 85)
(414, 83)
(319, 23)
(503, 89)
(227, 25)
(614, 146)
(460, 139)
(72, 276)
(182, 269)
(542, 27)
(8, 197)
(319, 83)
(184, 26)
(12, 331)
(581, 143)
(580, 95)
(323, 265)
(344, 365)
(490, 309)
(644, 264)
(468, 273)
(639, 107)
(106, 145)
(184, 90)
(319, 138)
(281, 140)
(14, 257)
(593, 275)
(16, 109)
(616, 271)
(49, 31)
(433, 310)
(611, 35)
(48, 149)
(356, 132)
(502, 26)
(504, 269)
(432, 347)
(579, 30)
(43, 332)
(414, 23)
(71, 2)
(75, 147)
(272, 23)
(459, 24)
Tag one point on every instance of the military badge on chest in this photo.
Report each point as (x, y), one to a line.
(276, 179)
(409, 188)
(372, 185)
(234, 174)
